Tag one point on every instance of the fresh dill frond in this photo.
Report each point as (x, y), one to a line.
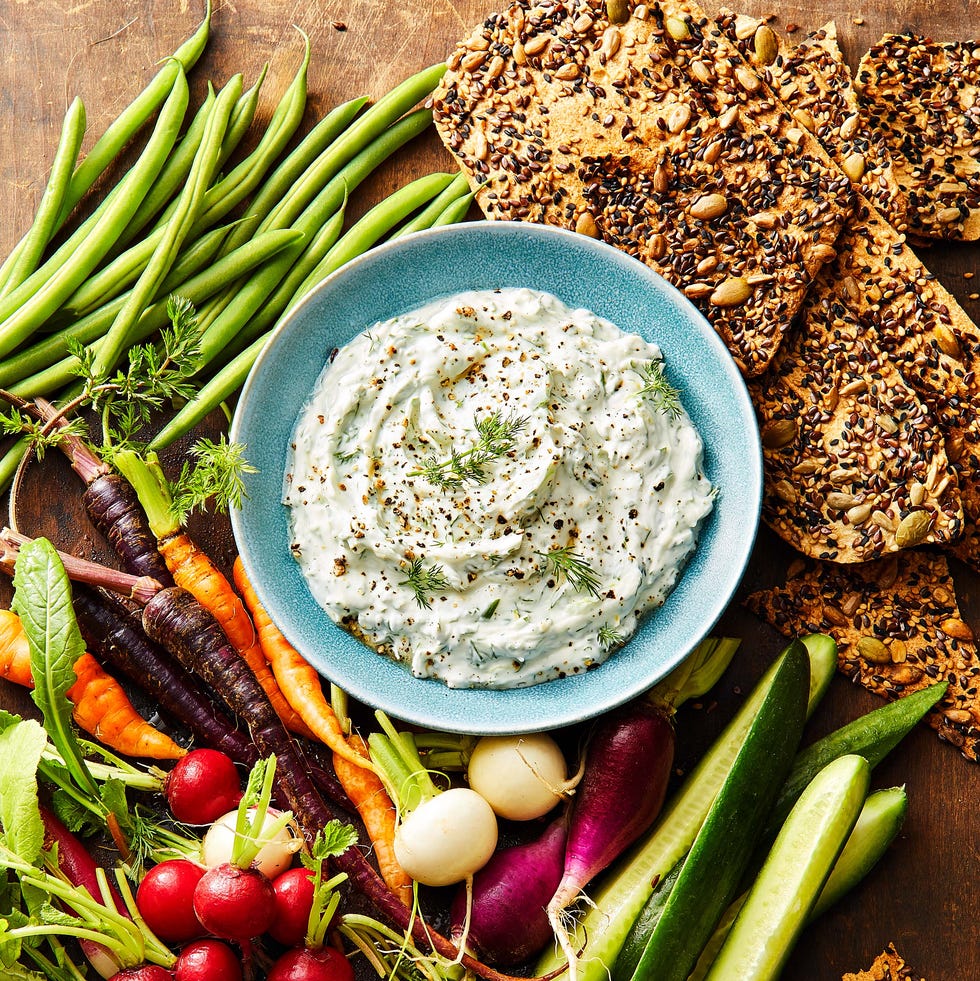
(13, 422)
(663, 396)
(423, 581)
(610, 637)
(491, 609)
(215, 477)
(497, 437)
(155, 374)
(565, 563)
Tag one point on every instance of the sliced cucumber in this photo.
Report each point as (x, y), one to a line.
(710, 875)
(873, 735)
(636, 939)
(877, 825)
(799, 864)
(617, 903)
(822, 650)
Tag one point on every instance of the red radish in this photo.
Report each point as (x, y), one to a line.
(165, 900)
(203, 786)
(294, 901)
(146, 972)
(79, 868)
(311, 964)
(208, 960)
(234, 903)
(627, 770)
(508, 917)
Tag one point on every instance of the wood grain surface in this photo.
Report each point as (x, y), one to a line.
(925, 895)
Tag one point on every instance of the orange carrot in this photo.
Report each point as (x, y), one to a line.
(100, 705)
(15, 652)
(297, 680)
(194, 571)
(369, 796)
(102, 709)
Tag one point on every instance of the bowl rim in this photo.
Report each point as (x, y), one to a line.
(404, 708)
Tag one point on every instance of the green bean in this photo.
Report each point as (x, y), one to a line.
(373, 227)
(250, 296)
(256, 318)
(189, 206)
(45, 221)
(221, 386)
(366, 128)
(455, 212)
(233, 189)
(10, 461)
(21, 318)
(218, 200)
(197, 289)
(292, 168)
(427, 216)
(122, 129)
(173, 175)
(137, 113)
(53, 347)
(242, 116)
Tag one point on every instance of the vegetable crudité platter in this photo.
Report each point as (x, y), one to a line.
(923, 895)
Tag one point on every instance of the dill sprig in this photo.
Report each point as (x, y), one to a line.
(216, 476)
(497, 437)
(664, 397)
(423, 581)
(14, 422)
(564, 563)
(155, 374)
(610, 637)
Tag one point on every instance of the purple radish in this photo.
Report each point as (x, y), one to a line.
(627, 769)
(509, 918)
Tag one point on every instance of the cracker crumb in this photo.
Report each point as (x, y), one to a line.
(858, 20)
(339, 25)
(792, 28)
(968, 275)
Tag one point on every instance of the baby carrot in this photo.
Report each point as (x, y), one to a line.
(194, 571)
(100, 705)
(102, 709)
(297, 680)
(368, 795)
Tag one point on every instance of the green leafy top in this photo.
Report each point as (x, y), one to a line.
(565, 564)
(155, 374)
(42, 600)
(497, 437)
(21, 828)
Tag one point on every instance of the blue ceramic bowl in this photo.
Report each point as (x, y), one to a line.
(406, 273)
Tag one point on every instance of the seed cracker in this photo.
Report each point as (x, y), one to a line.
(888, 966)
(814, 81)
(923, 332)
(559, 116)
(898, 628)
(923, 97)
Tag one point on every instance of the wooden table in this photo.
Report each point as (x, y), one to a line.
(925, 894)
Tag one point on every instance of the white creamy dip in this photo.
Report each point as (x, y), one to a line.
(493, 488)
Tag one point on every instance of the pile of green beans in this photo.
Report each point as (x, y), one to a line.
(165, 228)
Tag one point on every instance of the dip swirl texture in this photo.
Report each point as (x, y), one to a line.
(494, 488)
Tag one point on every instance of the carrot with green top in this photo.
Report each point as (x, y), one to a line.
(194, 571)
(100, 706)
(296, 679)
(368, 795)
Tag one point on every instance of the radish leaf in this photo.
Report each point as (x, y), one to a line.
(42, 600)
(20, 752)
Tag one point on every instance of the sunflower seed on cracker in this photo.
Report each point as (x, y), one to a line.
(896, 638)
(605, 141)
(815, 73)
(923, 99)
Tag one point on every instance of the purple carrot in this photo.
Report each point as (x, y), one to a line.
(174, 619)
(627, 769)
(114, 634)
(510, 896)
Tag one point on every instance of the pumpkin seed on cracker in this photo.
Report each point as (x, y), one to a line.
(898, 628)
